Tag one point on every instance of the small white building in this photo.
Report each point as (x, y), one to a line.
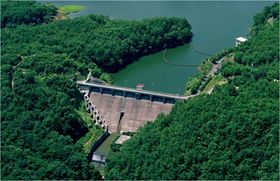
(240, 40)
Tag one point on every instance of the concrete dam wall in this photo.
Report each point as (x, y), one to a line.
(123, 114)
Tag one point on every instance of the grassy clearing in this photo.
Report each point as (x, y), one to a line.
(67, 9)
(94, 131)
(216, 80)
(106, 145)
(85, 115)
(93, 134)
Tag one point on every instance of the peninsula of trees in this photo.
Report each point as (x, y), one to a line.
(42, 134)
(111, 44)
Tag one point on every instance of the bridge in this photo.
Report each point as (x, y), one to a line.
(132, 93)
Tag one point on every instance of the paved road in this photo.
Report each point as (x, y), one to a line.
(215, 67)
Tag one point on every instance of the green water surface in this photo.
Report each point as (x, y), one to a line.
(215, 25)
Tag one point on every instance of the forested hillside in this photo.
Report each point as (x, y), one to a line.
(25, 12)
(232, 134)
(41, 131)
(111, 44)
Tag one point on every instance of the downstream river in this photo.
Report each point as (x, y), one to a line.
(215, 26)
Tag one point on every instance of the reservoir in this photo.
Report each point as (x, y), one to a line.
(215, 26)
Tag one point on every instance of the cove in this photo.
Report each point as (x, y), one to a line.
(215, 25)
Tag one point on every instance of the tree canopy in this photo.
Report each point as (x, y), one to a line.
(25, 12)
(231, 134)
(111, 44)
(41, 131)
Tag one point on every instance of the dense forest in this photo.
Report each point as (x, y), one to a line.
(42, 132)
(111, 44)
(232, 134)
(29, 12)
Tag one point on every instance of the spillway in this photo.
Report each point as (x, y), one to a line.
(125, 114)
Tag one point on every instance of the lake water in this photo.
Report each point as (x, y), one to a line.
(215, 26)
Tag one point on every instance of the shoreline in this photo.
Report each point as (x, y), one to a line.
(64, 10)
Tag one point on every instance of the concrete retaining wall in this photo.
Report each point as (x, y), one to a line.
(105, 111)
(136, 112)
(97, 144)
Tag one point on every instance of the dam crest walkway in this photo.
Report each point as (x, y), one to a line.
(133, 93)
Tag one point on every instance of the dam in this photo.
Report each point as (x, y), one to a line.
(121, 109)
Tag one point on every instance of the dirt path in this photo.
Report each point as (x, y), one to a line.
(14, 70)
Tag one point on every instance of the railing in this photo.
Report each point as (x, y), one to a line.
(154, 93)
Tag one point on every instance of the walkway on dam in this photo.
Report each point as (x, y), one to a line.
(131, 90)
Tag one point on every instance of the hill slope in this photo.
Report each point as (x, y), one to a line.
(42, 132)
(231, 134)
